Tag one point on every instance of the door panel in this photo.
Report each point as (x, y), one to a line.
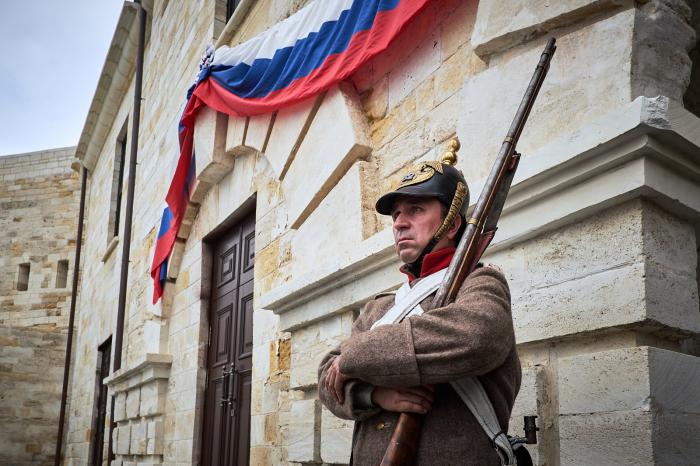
(226, 433)
(245, 324)
(216, 426)
(240, 455)
(248, 249)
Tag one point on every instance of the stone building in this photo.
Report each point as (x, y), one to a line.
(281, 246)
(38, 207)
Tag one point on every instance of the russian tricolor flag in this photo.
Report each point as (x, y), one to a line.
(317, 47)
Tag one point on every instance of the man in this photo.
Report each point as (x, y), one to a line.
(380, 372)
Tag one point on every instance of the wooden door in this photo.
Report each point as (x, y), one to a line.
(104, 352)
(226, 433)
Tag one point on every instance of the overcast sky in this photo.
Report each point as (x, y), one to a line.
(51, 55)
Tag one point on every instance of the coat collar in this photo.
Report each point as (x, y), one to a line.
(436, 260)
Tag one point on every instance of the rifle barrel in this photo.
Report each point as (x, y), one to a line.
(463, 259)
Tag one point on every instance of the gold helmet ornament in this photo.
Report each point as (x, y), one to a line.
(439, 179)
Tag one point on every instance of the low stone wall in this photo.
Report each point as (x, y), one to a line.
(31, 375)
(139, 405)
(39, 194)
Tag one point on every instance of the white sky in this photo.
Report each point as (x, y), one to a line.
(51, 55)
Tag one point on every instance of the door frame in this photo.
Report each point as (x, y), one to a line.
(103, 399)
(248, 207)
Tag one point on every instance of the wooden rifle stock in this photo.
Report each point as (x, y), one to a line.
(481, 227)
(403, 447)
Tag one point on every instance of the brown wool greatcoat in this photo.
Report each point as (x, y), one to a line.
(473, 336)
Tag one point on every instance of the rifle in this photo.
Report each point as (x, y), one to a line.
(481, 227)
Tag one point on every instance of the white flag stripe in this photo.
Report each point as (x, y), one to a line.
(283, 34)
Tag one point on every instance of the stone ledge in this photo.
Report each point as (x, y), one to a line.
(315, 296)
(651, 147)
(111, 88)
(154, 366)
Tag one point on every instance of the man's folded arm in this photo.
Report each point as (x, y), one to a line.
(357, 404)
(469, 337)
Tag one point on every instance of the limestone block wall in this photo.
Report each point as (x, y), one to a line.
(151, 382)
(586, 260)
(598, 238)
(39, 194)
(97, 300)
(588, 293)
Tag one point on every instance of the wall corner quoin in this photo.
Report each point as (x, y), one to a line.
(663, 36)
(140, 405)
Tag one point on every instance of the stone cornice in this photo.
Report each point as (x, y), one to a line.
(111, 87)
(650, 148)
(607, 162)
(234, 22)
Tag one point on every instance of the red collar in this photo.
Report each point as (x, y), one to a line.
(432, 262)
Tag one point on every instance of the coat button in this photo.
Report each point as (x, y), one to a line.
(381, 426)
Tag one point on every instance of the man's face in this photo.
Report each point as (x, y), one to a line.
(415, 221)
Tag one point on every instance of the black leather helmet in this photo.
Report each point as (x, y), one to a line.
(432, 179)
(426, 179)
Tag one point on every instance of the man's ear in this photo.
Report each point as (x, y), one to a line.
(454, 229)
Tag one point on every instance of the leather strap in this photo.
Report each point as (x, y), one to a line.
(408, 299)
(474, 396)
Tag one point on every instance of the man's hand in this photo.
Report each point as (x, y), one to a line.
(404, 400)
(335, 381)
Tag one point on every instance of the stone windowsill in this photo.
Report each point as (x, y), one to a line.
(153, 366)
(111, 246)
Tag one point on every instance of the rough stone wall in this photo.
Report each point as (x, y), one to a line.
(39, 195)
(598, 239)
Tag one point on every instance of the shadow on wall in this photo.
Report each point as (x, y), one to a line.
(691, 99)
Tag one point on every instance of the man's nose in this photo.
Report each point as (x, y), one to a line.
(400, 221)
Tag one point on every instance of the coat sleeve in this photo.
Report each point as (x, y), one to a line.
(469, 337)
(357, 405)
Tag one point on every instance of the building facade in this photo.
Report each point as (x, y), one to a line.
(281, 247)
(38, 208)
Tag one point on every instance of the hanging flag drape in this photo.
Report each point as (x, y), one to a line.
(320, 45)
